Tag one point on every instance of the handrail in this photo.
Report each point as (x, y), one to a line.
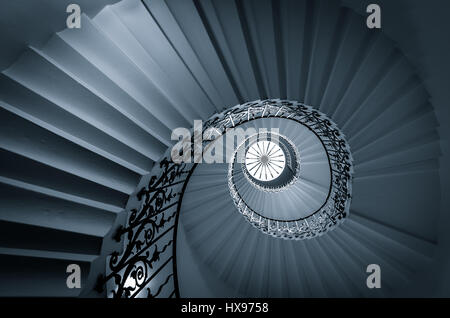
(141, 268)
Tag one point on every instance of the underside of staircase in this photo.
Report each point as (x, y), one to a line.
(86, 121)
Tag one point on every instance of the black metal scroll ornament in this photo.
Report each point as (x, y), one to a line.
(146, 267)
(143, 268)
(337, 204)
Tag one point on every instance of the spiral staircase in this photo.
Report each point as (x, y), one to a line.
(86, 120)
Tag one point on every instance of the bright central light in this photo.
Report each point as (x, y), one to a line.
(265, 160)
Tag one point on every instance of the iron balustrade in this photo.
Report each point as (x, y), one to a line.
(146, 266)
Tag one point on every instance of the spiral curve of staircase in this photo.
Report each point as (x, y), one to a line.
(88, 116)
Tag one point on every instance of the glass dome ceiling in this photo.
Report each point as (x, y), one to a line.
(265, 160)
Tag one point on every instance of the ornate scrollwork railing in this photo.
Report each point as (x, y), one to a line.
(337, 204)
(146, 267)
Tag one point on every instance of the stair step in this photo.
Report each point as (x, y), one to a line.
(40, 273)
(76, 131)
(33, 174)
(38, 144)
(170, 16)
(39, 209)
(91, 41)
(72, 62)
(225, 24)
(41, 238)
(46, 78)
(399, 206)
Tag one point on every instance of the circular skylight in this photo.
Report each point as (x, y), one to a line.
(265, 160)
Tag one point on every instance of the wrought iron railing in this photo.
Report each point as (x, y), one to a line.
(336, 206)
(146, 267)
